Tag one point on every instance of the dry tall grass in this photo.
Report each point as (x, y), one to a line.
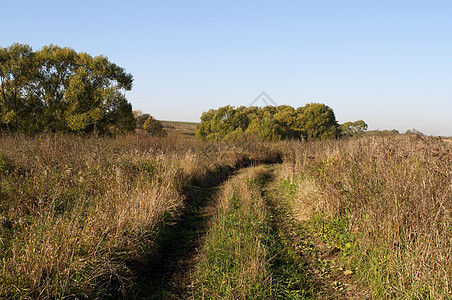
(395, 194)
(77, 213)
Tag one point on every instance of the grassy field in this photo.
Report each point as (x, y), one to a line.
(181, 129)
(385, 204)
(151, 218)
(79, 215)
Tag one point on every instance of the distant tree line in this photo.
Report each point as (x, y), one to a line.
(59, 90)
(272, 123)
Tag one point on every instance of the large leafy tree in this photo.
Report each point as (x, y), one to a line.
(58, 89)
(18, 103)
(56, 67)
(356, 128)
(318, 122)
(205, 130)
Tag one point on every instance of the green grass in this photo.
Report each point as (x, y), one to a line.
(290, 270)
(304, 263)
(248, 252)
(233, 260)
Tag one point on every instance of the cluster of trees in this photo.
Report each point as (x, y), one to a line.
(58, 89)
(313, 121)
(149, 124)
(353, 128)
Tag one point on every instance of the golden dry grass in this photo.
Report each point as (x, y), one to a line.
(395, 196)
(76, 213)
(182, 129)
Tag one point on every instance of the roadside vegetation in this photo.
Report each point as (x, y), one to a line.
(246, 254)
(383, 205)
(79, 215)
(234, 259)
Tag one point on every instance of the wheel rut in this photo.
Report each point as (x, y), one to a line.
(167, 274)
(293, 252)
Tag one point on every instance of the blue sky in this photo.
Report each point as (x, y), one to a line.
(386, 62)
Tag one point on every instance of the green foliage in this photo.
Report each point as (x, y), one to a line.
(58, 89)
(140, 118)
(16, 63)
(223, 123)
(318, 122)
(154, 127)
(267, 128)
(149, 124)
(270, 123)
(356, 128)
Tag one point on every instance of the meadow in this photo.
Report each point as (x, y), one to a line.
(366, 217)
(384, 203)
(78, 214)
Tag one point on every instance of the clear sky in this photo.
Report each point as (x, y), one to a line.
(386, 62)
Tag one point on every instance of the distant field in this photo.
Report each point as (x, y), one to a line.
(182, 128)
(447, 139)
